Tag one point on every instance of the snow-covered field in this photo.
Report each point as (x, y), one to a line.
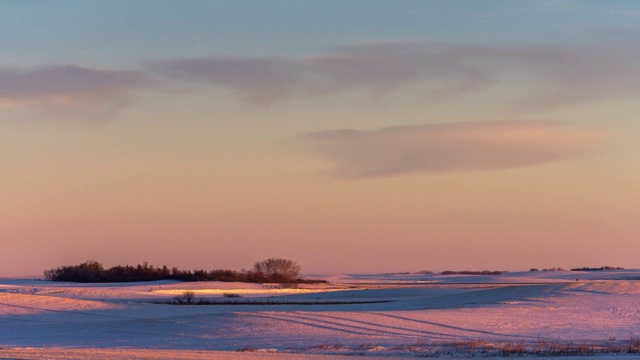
(370, 315)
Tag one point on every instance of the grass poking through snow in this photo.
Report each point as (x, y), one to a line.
(480, 348)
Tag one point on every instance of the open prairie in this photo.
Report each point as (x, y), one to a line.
(532, 313)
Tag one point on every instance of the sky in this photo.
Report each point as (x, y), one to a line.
(350, 136)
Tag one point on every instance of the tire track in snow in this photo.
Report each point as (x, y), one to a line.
(320, 325)
(485, 332)
(69, 312)
(345, 323)
(356, 326)
(417, 332)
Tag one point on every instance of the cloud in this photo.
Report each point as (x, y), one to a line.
(463, 146)
(69, 88)
(376, 68)
(380, 67)
(532, 77)
(553, 75)
(257, 80)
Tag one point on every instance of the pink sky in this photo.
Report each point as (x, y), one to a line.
(382, 147)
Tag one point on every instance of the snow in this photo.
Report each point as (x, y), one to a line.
(416, 314)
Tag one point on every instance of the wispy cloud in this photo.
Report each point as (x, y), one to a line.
(537, 76)
(464, 146)
(258, 80)
(381, 67)
(69, 88)
(375, 68)
(562, 74)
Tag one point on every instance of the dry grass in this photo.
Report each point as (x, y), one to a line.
(481, 348)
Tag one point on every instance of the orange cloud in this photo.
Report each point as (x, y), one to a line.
(464, 146)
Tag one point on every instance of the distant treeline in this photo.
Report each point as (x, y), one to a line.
(449, 272)
(94, 272)
(485, 272)
(603, 268)
(548, 269)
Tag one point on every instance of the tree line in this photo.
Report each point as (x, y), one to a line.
(282, 271)
(602, 268)
(466, 272)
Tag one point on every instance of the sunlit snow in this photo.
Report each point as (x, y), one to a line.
(406, 315)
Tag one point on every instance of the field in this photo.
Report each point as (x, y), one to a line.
(550, 313)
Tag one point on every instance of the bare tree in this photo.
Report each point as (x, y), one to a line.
(277, 270)
(187, 297)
